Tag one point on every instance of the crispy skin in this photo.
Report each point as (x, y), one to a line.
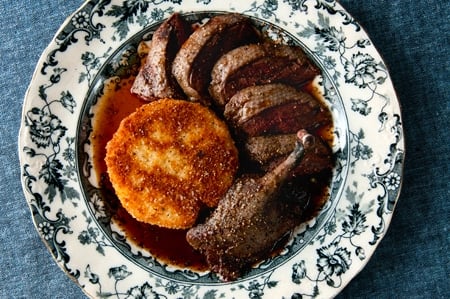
(168, 159)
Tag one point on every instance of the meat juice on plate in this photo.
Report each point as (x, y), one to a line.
(168, 245)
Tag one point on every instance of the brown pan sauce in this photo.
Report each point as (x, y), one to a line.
(168, 245)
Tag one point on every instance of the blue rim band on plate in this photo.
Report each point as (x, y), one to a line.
(327, 252)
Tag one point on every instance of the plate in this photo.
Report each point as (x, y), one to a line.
(97, 47)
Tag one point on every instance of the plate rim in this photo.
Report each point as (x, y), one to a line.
(22, 141)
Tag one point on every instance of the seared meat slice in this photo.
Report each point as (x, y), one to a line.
(258, 64)
(193, 63)
(250, 101)
(286, 118)
(155, 79)
(274, 109)
(269, 151)
(250, 218)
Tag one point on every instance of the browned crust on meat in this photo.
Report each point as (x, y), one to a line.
(193, 63)
(168, 159)
(250, 101)
(258, 64)
(265, 148)
(228, 64)
(155, 80)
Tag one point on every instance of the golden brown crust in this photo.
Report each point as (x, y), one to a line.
(168, 159)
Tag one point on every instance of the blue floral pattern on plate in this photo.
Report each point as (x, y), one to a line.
(98, 43)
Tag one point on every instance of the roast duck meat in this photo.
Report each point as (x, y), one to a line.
(155, 79)
(257, 64)
(251, 218)
(257, 86)
(266, 118)
(194, 61)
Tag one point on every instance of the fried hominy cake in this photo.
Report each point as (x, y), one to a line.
(168, 159)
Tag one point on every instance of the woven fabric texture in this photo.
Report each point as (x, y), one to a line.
(412, 261)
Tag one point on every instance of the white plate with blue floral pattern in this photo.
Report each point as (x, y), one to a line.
(98, 42)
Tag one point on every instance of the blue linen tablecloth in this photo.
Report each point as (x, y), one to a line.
(412, 261)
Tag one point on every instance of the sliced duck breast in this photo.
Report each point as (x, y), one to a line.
(197, 56)
(250, 101)
(274, 109)
(286, 118)
(258, 64)
(155, 79)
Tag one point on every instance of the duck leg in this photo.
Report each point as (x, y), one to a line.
(251, 218)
